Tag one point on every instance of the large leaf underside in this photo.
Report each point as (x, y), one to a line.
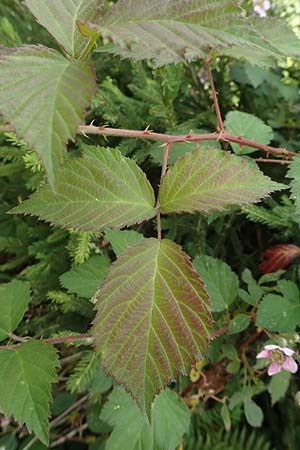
(170, 31)
(153, 318)
(103, 189)
(208, 180)
(43, 95)
(60, 18)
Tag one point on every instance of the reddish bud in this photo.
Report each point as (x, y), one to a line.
(278, 257)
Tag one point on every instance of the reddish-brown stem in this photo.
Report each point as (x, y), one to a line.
(58, 340)
(146, 134)
(215, 96)
(172, 139)
(219, 332)
(279, 161)
(164, 169)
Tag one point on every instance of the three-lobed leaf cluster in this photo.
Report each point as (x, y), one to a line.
(153, 314)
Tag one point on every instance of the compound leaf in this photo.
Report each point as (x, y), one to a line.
(249, 127)
(85, 279)
(101, 189)
(25, 390)
(14, 299)
(153, 318)
(60, 18)
(43, 95)
(170, 420)
(171, 31)
(209, 180)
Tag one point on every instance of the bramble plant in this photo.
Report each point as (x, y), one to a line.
(153, 320)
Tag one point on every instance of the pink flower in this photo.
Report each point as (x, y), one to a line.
(261, 7)
(280, 357)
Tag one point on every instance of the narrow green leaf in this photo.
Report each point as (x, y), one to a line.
(85, 279)
(44, 95)
(153, 318)
(294, 173)
(14, 299)
(172, 31)
(60, 17)
(220, 281)
(170, 420)
(101, 189)
(279, 385)
(226, 417)
(210, 180)
(25, 390)
(276, 313)
(248, 127)
(120, 240)
(253, 413)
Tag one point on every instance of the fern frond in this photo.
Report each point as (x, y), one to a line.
(83, 373)
(275, 218)
(80, 246)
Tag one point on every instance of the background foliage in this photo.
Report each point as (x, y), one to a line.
(228, 401)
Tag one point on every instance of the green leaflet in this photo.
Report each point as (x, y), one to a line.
(276, 313)
(170, 420)
(60, 17)
(153, 318)
(220, 281)
(171, 31)
(120, 240)
(25, 390)
(208, 180)
(294, 173)
(278, 385)
(14, 299)
(85, 279)
(102, 189)
(249, 127)
(44, 95)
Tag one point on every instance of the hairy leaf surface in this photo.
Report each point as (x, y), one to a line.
(153, 318)
(85, 279)
(60, 16)
(170, 31)
(43, 95)
(14, 299)
(101, 189)
(170, 420)
(25, 390)
(210, 180)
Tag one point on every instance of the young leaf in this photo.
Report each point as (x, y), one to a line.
(169, 32)
(153, 318)
(85, 279)
(239, 323)
(170, 420)
(14, 299)
(220, 281)
(43, 95)
(249, 127)
(278, 314)
(279, 385)
(60, 18)
(120, 240)
(278, 257)
(253, 413)
(101, 189)
(210, 180)
(25, 390)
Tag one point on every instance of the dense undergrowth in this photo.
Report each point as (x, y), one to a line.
(234, 403)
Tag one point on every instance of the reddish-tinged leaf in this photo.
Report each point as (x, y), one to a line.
(278, 257)
(153, 318)
(208, 180)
